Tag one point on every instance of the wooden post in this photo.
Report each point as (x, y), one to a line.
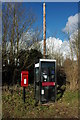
(44, 30)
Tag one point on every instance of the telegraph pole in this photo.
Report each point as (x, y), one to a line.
(44, 30)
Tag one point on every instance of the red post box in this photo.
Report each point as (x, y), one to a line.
(24, 78)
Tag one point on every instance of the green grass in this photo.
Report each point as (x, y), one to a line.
(14, 107)
(70, 96)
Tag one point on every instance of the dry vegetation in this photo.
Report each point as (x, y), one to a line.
(71, 70)
(14, 107)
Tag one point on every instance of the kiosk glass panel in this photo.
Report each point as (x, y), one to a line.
(48, 80)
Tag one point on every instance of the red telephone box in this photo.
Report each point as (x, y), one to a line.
(24, 78)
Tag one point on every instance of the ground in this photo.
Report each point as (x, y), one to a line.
(14, 107)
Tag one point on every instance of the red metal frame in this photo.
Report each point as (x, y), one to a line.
(48, 83)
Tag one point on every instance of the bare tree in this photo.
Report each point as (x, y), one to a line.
(71, 50)
(16, 20)
(72, 69)
(75, 44)
(14, 24)
(36, 38)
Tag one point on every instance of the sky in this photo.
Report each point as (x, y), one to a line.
(57, 14)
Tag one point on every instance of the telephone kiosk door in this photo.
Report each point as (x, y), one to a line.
(48, 81)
